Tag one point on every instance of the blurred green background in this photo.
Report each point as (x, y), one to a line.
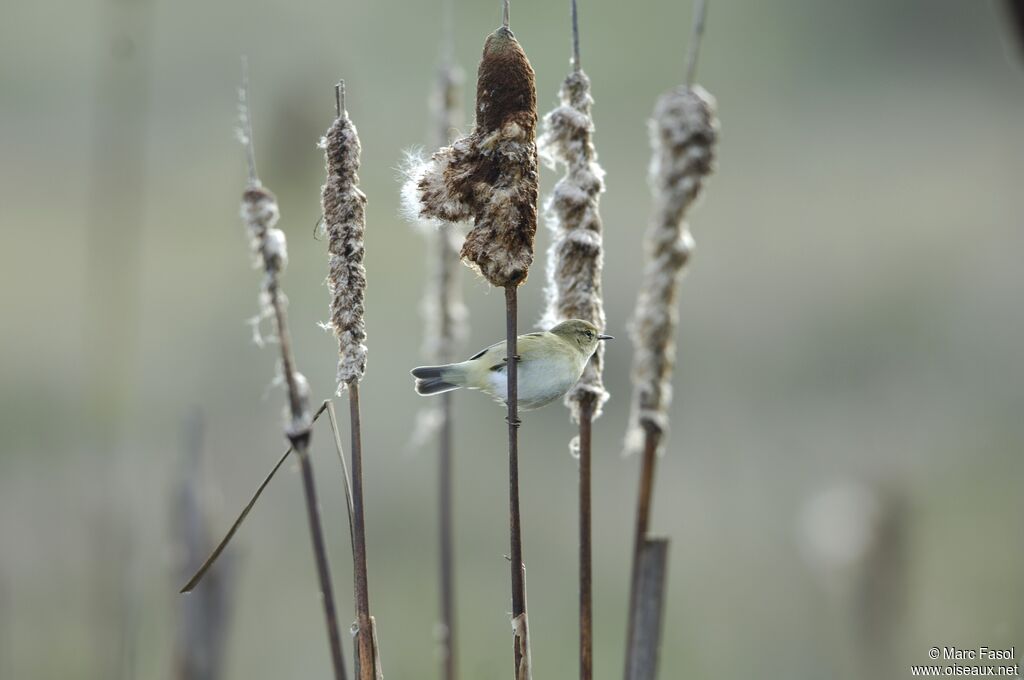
(852, 320)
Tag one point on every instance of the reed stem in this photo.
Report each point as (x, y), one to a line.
(447, 564)
(323, 569)
(576, 65)
(515, 531)
(586, 559)
(261, 214)
(700, 14)
(447, 318)
(364, 642)
(445, 481)
(300, 443)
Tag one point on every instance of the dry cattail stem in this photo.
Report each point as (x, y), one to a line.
(445, 317)
(490, 177)
(204, 618)
(683, 133)
(260, 214)
(575, 262)
(343, 204)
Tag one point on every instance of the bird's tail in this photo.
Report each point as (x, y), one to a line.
(436, 379)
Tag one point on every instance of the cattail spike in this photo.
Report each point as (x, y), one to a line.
(344, 205)
(260, 213)
(683, 132)
(576, 257)
(489, 176)
(505, 14)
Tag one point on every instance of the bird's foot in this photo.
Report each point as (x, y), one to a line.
(514, 423)
(516, 357)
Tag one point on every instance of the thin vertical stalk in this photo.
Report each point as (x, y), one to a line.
(446, 105)
(683, 133)
(575, 264)
(343, 205)
(576, 65)
(490, 177)
(515, 530)
(300, 443)
(203, 619)
(645, 496)
(323, 569)
(260, 212)
(367, 663)
(700, 14)
(586, 559)
(445, 480)
(447, 561)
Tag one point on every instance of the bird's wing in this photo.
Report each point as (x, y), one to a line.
(485, 350)
(526, 345)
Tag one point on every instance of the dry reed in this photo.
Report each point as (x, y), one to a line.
(575, 262)
(490, 176)
(444, 317)
(204, 619)
(343, 204)
(260, 214)
(683, 133)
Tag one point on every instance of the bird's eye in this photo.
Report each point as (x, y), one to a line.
(590, 334)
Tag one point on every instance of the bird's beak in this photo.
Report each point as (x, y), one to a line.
(606, 337)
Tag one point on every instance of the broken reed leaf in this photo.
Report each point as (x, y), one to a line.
(683, 133)
(344, 209)
(489, 176)
(649, 613)
(576, 255)
(521, 638)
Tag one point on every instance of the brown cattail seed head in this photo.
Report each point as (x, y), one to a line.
(576, 256)
(683, 134)
(491, 175)
(344, 205)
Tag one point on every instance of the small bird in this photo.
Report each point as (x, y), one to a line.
(549, 364)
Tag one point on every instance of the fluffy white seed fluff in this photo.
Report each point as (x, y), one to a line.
(576, 256)
(683, 133)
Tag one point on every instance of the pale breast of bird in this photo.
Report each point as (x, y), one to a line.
(540, 381)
